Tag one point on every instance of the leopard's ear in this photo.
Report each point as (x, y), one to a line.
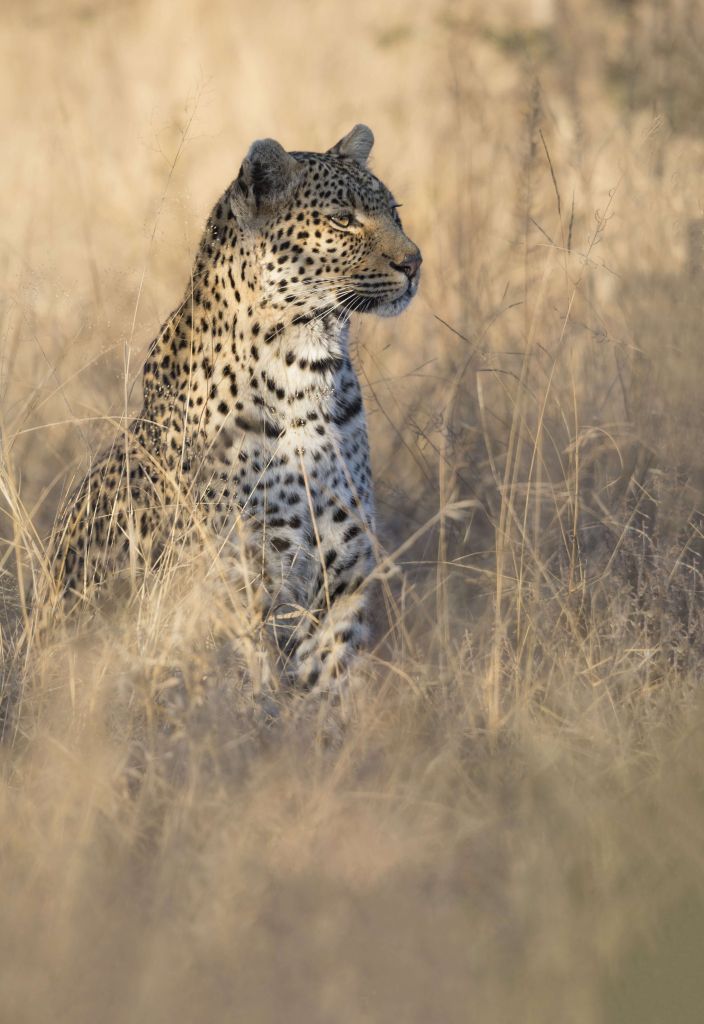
(267, 176)
(357, 144)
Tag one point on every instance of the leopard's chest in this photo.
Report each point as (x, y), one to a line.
(307, 498)
(287, 454)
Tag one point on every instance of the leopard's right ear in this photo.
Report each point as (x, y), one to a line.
(267, 177)
(357, 144)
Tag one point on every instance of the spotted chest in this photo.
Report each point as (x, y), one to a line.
(295, 468)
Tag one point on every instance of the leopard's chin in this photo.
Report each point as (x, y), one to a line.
(394, 307)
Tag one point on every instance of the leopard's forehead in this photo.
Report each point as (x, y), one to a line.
(338, 180)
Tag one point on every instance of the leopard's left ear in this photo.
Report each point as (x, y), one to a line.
(267, 177)
(356, 144)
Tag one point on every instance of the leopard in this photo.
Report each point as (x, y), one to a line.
(253, 417)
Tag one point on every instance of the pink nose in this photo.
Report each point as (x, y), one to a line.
(410, 265)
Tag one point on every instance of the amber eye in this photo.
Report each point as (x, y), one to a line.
(342, 220)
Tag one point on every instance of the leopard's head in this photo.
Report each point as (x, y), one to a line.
(324, 231)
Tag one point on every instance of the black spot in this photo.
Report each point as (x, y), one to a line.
(346, 411)
(311, 680)
(273, 333)
(338, 591)
(325, 364)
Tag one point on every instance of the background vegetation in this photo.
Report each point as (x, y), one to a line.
(511, 827)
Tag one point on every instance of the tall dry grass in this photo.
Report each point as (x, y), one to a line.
(511, 826)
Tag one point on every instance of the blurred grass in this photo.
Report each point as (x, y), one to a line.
(511, 827)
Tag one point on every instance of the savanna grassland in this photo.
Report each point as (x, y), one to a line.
(510, 826)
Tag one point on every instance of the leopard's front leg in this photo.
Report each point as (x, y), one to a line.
(329, 643)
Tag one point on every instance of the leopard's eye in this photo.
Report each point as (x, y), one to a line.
(342, 220)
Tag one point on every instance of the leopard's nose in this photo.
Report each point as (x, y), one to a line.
(410, 265)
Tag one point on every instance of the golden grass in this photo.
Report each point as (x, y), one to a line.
(511, 826)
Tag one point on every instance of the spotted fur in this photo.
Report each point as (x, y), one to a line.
(252, 410)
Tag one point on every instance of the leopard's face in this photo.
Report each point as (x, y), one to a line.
(327, 236)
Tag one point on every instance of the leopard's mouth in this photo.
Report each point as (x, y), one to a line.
(382, 305)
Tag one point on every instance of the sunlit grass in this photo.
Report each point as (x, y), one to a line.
(508, 825)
